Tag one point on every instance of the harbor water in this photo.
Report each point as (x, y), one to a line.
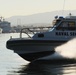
(12, 64)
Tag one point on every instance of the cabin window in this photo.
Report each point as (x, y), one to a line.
(72, 26)
(40, 35)
(66, 25)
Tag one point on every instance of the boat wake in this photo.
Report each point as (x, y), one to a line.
(65, 51)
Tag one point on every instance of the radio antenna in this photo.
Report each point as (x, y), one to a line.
(63, 7)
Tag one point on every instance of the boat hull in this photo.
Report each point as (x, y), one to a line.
(36, 55)
(33, 49)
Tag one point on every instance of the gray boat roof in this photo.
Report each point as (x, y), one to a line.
(70, 17)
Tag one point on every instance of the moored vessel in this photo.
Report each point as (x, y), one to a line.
(0, 30)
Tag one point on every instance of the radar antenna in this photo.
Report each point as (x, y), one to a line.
(70, 14)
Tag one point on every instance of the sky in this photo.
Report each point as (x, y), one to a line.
(10, 8)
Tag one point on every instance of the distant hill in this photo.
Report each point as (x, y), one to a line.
(40, 18)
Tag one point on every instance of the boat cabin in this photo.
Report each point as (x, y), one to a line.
(66, 24)
(62, 28)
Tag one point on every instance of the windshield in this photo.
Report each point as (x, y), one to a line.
(55, 22)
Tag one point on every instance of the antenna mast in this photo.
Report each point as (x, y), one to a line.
(63, 7)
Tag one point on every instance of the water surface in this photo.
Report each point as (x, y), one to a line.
(12, 64)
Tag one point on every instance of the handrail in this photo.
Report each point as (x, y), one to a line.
(24, 32)
(32, 31)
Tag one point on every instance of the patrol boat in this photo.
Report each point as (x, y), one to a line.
(42, 44)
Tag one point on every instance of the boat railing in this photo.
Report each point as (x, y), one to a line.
(33, 30)
(27, 31)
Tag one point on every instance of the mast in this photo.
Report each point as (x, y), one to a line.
(63, 7)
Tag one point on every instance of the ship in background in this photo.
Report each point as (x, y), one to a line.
(1, 30)
(5, 26)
